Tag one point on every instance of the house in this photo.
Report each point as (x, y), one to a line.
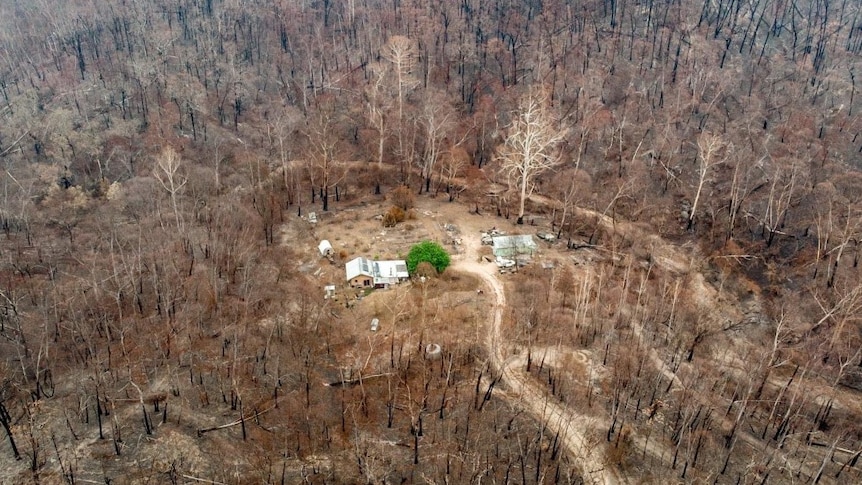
(359, 272)
(389, 272)
(511, 246)
(365, 273)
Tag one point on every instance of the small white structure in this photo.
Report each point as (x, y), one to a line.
(433, 351)
(362, 272)
(325, 249)
(375, 324)
(329, 291)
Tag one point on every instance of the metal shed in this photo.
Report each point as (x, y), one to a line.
(511, 246)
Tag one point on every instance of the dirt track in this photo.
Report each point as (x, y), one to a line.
(571, 427)
(575, 429)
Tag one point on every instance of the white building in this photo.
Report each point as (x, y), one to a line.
(362, 272)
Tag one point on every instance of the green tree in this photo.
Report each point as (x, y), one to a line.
(429, 252)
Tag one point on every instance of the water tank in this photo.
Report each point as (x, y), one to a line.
(325, 248)
(433, 351)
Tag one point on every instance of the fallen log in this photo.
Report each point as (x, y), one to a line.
(238, 421)
(354, 380)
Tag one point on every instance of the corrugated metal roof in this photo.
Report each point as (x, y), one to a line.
(377, 269)
(512, 245)
(390, 269)
(356, 267)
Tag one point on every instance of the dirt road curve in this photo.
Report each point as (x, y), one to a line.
(571, 427)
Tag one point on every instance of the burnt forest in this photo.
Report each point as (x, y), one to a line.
(430, 242)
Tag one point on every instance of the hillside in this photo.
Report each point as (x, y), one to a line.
(696, 318)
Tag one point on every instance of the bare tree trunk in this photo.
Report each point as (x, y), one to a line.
(708, 145)
(6, 420)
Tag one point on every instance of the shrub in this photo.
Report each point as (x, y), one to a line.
(620, 452)
(429, 252)
(425, 269)
(393, 216)
(403, 197)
